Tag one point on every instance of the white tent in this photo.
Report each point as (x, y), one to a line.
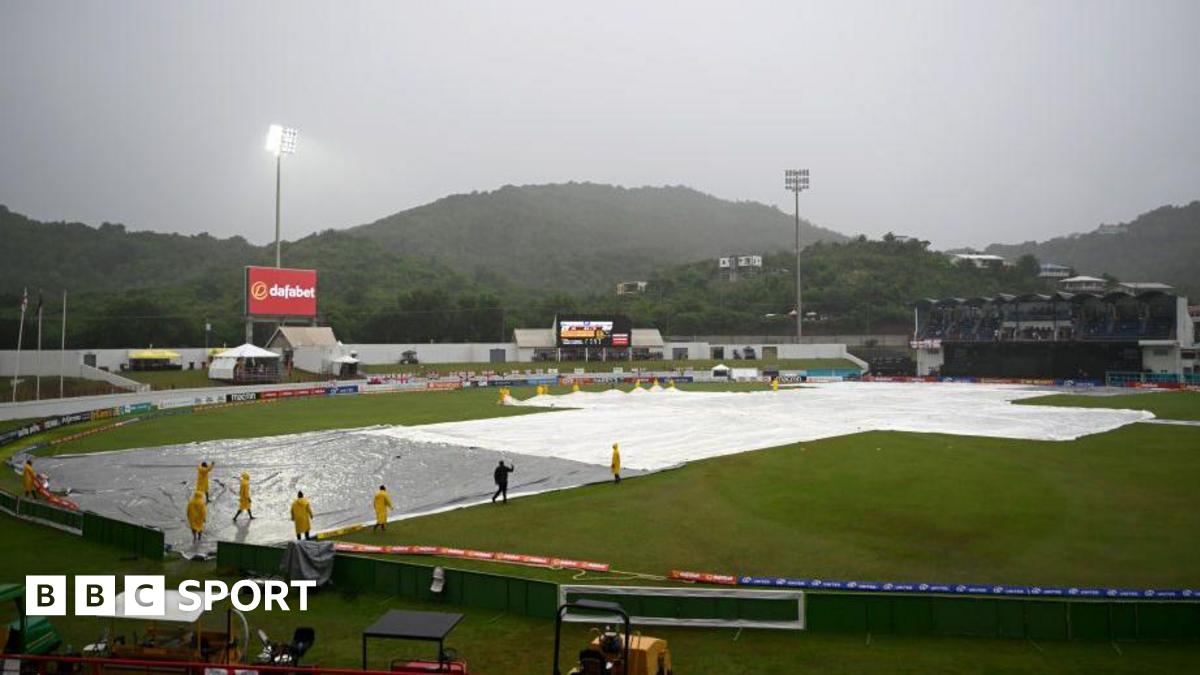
(223, 365)
(247, 351)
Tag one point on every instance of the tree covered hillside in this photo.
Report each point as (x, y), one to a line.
(579, 235)
(1161, 245)
(858, 286)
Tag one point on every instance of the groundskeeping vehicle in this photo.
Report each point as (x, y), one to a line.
(612, 652)
(22, 634)
(178, 635)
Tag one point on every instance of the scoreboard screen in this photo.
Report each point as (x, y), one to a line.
(592, 331)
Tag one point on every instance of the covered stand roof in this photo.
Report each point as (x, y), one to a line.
(304, 336)
(534, 338)
(646, 337)
(153, 354)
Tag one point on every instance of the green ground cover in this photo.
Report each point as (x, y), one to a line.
(503, 644)
(1170, 405)
(1113, 509)
(1109, 509)
(193, 379)
(72, 387)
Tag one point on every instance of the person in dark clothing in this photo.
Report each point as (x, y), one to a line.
(500, 475)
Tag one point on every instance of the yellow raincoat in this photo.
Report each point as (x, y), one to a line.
(616, 459)
(28, 478)
(302, 515)
(202, 478)
(382, 504)
(197, 512)
(244, 493)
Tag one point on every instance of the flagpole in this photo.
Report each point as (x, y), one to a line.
(62, 352)
(20, 334)
(38, 387)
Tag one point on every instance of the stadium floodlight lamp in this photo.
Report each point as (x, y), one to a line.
(281, 140)
(796, 181)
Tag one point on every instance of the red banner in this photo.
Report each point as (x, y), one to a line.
(449, 552)
(703, 577)
(281, 292)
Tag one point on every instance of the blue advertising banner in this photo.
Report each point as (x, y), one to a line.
(1187, 594)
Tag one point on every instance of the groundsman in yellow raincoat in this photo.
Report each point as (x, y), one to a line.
(382, 503)
(197, 513)
(616, 463)
(302, 516)
(29, 480)
(202, 472)
(244, 498)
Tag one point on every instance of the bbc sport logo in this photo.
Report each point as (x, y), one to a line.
(148, 596)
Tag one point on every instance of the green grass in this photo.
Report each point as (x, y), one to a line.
(1114, 509)
(1110, 509)
(568, 367)
(72, 387)
(502, 644)
(1170, 405)
(193, 379)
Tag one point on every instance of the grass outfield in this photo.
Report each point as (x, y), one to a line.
(1113, 509)
(1108, 509)
(191, 379)
(502, 644)
(1171, 405)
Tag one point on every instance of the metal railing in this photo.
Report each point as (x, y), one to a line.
(53, 665)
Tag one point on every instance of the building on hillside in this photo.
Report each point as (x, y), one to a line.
(1054, 271)
(734, 267)
(314, 349)
(1136, 287)
(1082, 284)
(1091, 336)
(1111, 229)
(980, 260)
(631, 287)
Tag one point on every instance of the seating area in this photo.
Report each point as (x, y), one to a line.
(1059, 317)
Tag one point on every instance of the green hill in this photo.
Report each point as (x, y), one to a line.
(1161, 245)
(579, 235)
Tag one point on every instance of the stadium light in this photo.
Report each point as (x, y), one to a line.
(281, 141)
(796, 180)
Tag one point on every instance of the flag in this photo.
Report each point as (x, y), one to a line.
(24, 299)
(38, 309)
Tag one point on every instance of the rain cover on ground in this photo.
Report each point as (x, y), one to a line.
(440, 466)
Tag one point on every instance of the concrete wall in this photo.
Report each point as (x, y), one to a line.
(110, 359)
(1168, 361)
(928, 360)
(462, 352)
(63, 406)
(852, 340)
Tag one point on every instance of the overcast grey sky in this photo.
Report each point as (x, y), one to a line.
(961, 122)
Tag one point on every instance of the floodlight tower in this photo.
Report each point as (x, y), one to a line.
(281, 140)
(796, 180)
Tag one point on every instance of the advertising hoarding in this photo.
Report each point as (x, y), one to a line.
(273, 291)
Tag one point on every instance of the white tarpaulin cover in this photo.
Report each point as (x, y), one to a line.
(662, 429)
(439, 466)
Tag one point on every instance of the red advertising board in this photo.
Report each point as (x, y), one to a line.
(272, 291)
